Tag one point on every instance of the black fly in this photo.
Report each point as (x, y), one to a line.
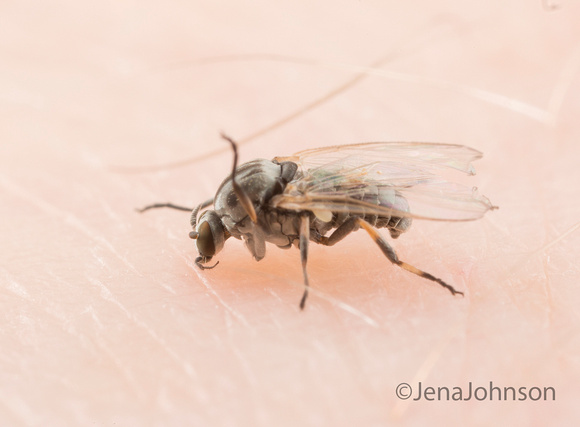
(290, 201)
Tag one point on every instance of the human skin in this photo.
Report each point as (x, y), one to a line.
(107, 108)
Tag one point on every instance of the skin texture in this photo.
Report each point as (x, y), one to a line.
(106, 321)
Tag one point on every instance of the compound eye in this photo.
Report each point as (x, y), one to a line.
(205, 240)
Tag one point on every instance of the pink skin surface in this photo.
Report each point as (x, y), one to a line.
(105, 320)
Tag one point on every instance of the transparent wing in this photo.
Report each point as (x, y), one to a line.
(340, 179)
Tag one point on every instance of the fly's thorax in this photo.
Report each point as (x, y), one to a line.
(260, 179)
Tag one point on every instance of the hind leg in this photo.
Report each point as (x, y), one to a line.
(392, 256)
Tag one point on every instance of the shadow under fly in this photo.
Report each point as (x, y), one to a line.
(294, 200)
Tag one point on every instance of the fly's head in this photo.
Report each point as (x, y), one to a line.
(210, 235)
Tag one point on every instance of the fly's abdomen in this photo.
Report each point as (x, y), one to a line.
(386, 197)
(392, 199)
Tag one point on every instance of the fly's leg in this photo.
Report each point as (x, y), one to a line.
(193, 217)
(304, 239)
(200, 260)
(242, 196)
(194, 211)
(340, 233)
(392, 256)
(164, 205)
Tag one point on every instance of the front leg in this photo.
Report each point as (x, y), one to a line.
(201, 260)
